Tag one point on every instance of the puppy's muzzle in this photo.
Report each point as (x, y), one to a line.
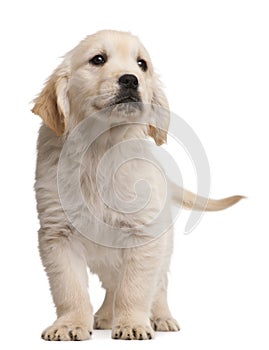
(128, 92)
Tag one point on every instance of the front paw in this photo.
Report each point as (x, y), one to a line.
(66, 332)
(132, 331)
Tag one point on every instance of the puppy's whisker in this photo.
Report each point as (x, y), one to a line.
(106, 94)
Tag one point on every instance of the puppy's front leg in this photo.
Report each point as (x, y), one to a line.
(134, 294)
(66, 269)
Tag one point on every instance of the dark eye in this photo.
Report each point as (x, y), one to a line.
(98, 60)
(142, 64)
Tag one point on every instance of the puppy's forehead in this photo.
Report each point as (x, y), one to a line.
(110, 43)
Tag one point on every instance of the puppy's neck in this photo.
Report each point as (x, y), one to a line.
(125, 132)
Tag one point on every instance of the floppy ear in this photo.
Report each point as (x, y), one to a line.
(52, 104)
(161, 116)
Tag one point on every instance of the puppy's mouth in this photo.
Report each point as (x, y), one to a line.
(126, 100)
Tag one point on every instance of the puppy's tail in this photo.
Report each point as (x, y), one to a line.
(192, 201)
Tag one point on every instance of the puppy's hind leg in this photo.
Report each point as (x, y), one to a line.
(103, 317)
(161, 318)
(65, 265)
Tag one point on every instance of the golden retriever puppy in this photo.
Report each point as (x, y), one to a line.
(107, 80)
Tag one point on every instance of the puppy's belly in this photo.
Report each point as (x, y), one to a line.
(106, 262)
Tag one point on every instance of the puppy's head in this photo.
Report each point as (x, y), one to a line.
(107, 69)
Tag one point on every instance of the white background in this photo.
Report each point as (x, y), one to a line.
(213, 57)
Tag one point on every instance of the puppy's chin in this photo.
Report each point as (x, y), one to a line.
(126, 111)
(128, 108)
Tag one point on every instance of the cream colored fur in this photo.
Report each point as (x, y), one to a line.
(135, 279)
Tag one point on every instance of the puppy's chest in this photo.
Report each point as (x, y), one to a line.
(121, 187)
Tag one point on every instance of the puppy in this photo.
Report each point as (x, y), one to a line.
(107, 80)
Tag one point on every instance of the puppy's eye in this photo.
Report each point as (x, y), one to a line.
(142, 64)
(98, 60)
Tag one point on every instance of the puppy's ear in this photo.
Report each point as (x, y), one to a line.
(158, 128)
(52, 104)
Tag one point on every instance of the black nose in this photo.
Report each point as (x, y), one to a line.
(128, 81)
